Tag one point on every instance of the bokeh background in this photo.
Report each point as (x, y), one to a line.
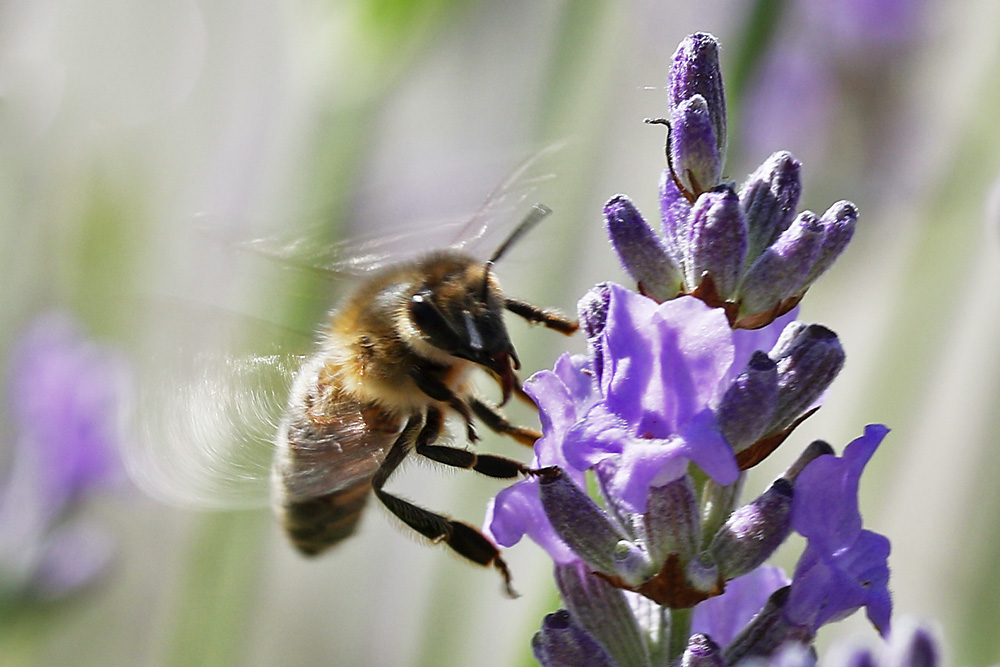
(142, 144)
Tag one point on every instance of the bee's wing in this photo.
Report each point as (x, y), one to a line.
(509, 202)
(202, 429)
(505, 206)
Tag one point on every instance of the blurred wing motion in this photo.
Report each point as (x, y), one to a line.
(203, 428)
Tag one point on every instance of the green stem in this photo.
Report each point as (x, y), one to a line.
(680, 630)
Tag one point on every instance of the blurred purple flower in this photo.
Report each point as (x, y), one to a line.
(65, 395)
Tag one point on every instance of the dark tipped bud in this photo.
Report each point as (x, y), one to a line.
(563, 643)
(807, 365)
(838, 224)
(752, 533)
(780, 271)
(718, 241)
(641, 250)
(604, 612)
(694, 153)
(672, 521)
(695, 71)
(770, 197)
(580, 522)
(701, 651)
(747, 407)
(815, 449)
(767, 632)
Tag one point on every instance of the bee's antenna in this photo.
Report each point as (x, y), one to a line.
(537, 213)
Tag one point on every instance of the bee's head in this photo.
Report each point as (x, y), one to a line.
(458, 309)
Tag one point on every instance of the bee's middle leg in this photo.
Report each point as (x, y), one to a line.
(462, 538)
(486, 464)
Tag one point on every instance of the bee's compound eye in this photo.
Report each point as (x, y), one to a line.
(431, 321)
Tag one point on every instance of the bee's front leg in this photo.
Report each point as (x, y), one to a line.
(439, 391)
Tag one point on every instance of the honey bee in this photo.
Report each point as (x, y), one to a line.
(392, 361)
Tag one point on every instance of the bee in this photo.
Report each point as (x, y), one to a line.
(393, 360)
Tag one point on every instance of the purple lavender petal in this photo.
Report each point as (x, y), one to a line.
(517, 511)
(722, 617)
(829, 587)
(825, 507)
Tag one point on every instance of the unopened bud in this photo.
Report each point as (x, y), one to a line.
(641, 250)
(747, 407)
(781, 269)
(701, 651)
(770, 197)
(718, 241)
(580, 522)
(809, 363)
(694, 153)
(753, 532)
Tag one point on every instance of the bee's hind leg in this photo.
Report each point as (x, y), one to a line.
(462, 538)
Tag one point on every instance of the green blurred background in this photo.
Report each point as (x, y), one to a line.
(129, 129)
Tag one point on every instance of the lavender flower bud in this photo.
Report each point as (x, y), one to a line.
(754, 531)
(815, 449)
(641, 251)
(701, 651)
(632, 564)
(694, 153)
(604, 612)
(718, 242)
(747, 407)
(675, 210)
(563, 643)
(702, 573)
(580, 522)
(672, 523)
(770, 197)
(838, 224)
(767, 632)
(695, 71)
(808, 365)
(780, 271)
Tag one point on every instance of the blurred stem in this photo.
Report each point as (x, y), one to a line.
(216, 595)
(750, 50)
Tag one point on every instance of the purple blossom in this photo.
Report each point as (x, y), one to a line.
(843, 566)
(722, 617)
(65, 395)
